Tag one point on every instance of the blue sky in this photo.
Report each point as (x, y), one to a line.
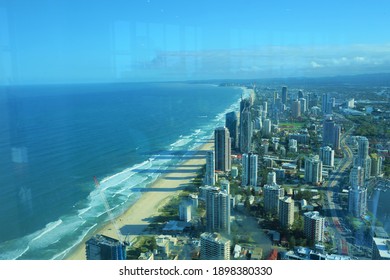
(56, 41)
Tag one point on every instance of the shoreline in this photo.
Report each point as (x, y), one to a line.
(135, 220)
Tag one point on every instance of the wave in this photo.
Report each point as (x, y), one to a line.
(121, 189)
(50, 227)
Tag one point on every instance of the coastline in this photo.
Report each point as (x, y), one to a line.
(136, 219)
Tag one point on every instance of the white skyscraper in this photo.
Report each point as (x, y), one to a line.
(272, 193)
(313, 170)
(363, 159)
(327, 156)
(210, 169)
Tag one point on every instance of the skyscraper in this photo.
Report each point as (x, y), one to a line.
(286, 212)
(214, 247)
(363, 159)
(296, 109)
(357, 201)
(284, 95)
(245, 131)
(267, 125)
(331, 134)
(217, 210)
(327, 104)
(231, 123)
(209, 178)
(313, 169)
(303, 105)
(249, 170)
(272, 193)
(327, 156)
(101, 247)
(314, 226)
(222, 149)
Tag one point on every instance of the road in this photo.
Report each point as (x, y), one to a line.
(334, 209)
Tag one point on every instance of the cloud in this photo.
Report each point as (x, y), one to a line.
(316, 65)
(268, 61)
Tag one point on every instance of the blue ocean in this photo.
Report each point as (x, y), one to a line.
(55, 139)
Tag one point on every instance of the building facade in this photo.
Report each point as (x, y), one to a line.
(249, 170)
(313, 170)
(101, 247)
(314, 226)
(286, 212)
(214, 247)
(222, 144)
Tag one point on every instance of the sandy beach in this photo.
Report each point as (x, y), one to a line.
(136, 219)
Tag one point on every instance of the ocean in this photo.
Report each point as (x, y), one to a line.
(55, 139)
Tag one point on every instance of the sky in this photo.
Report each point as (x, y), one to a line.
(73, 41)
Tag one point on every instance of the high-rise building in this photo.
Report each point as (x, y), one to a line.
(286, 212)
(272, 193)
(327, 105)
(284, 95)
(209, 178)
(363, 159)
(249, 170)
(296, 109)
(231, 124)
(356, 177)
(267, 126)
(303, 105)
(217, 210)
(185, 210)
(214, 247)
(376, 165)
(222, 149)
(327, 156)
(357, 201)
(101, 247)
(313, 169)
(314, 226)
(331, 134)
(246, 131)
(300, 94)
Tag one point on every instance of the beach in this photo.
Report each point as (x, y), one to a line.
(136, 219)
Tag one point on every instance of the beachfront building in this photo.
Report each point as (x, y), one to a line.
(380, 248)
(313, 170)
(185, 211)
(222, 144)
(101, 247)
(231, 123)
(246, 130)
(313, 226)
(209, 178)
(214, 247)
(249, 170)
(217, 209)
(286, 212)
